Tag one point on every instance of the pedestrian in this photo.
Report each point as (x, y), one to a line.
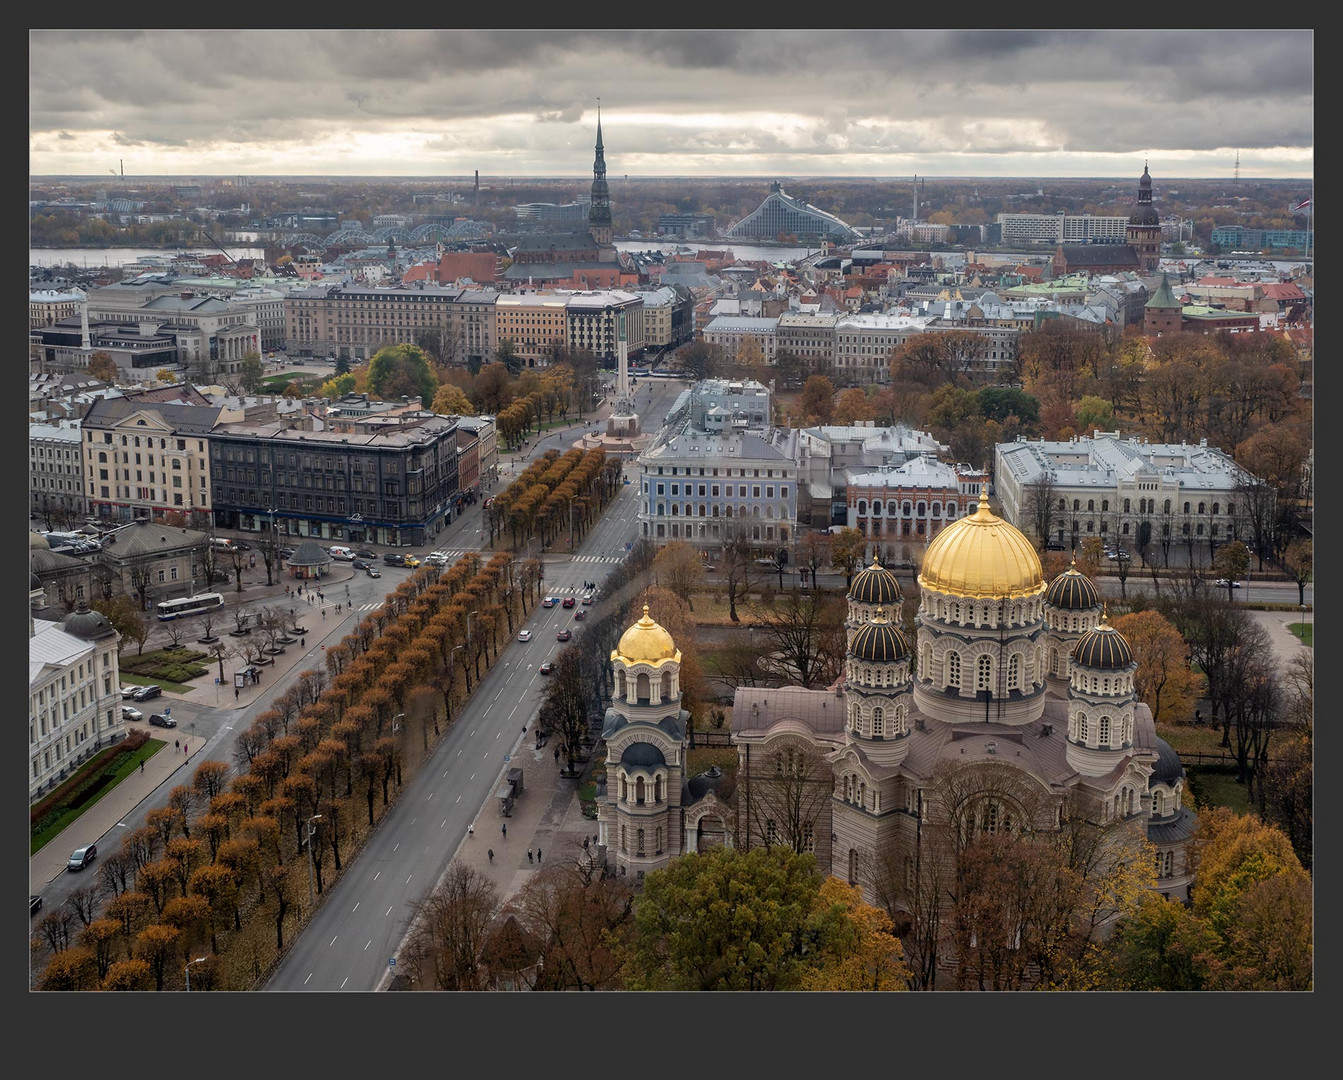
(538, 855)
(177, 745)
(236, 692)
(324, 616)
(142, 765)
(491, 854)
(557, 753)
(471, 829)
(529, 854)
(303, 642)
(505, 830)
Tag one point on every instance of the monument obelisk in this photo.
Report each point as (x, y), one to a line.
(623, 423)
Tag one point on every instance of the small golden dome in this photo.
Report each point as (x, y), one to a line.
(982, 556)
(646, 642)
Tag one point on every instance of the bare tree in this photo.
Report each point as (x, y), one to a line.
(738, 558)
(1040, 507)
(449, 928)
(786, 795)
(805, 635)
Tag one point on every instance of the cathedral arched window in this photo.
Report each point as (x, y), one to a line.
(1053, 661)
(639, 791)
(666, 686)
(853, 867)
(624, 790)
(1014, 672)
(624, 846)
(1083, 735)
(657, 790)
(854, 717)
(984, 673)
(1170, 864)
(658, 850)
(641, 685)
(639, 839)
(954, 669)
(1158, 801)
(1103, 734)
(878, 722)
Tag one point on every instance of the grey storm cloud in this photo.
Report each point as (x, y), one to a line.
(530, 94)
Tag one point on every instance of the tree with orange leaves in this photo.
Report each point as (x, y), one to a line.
(1164, 679)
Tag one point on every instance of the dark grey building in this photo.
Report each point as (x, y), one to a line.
(393, 487)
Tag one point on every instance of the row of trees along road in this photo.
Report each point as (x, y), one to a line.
(222, 866)
(552, 493)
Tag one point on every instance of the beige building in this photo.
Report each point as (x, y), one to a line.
(356, 321)
(809, 336)
(146, 454)
(46, 307)
(535, 322)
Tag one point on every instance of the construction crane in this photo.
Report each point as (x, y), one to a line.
(218, 245)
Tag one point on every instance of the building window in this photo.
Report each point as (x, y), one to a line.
(984, 673)
(954, 670)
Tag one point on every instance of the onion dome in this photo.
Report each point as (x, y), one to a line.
(1072, 590)
(875, 585)
(879, 640)
(646, 642)
(982, 556)
(1144, 213)
(642, 754)
(1104, 648)
(86, 624)
(705, 782)
(1169, 767)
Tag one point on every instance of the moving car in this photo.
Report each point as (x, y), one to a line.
(372, 571)
(524, 635)
(1054, 545)
(587, 598)
(81, 857)
(130, 713)
(550, 601)
(159, 720)
(1222, 583)
(438, 557)
(338, 552)
(359, 564)
(393, 558)
(364, 553)
(580, 615)
(569, 601)
(34, 905)
(410, 561)
(563, 635)
(547, 667)
(144, 693)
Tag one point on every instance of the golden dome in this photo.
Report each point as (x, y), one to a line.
(982, 556)
(646, 642)
(875, 585)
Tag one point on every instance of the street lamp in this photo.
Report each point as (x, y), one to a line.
(396, 722)
(187, 969)
(311, 832)
(1303, 624)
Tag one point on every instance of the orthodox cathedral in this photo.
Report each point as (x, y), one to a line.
(1016, 693)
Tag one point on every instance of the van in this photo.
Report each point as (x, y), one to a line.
(343, 553)
(223, 543)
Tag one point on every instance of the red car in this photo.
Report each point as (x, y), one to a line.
(547, 668)
(569, 601)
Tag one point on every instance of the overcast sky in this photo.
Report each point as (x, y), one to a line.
(674, 103)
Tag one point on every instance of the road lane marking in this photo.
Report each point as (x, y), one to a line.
(305, 981)
(370, 942)
(408, 879)
(431, 795)
(387, 912)
(398, 844)
(330, 943)
(488, 707)
(444, 822)
(473, 776)
(377, 875)
(347, 979)
(355, 908)
(459, 798)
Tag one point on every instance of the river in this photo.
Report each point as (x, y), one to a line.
(93, 258)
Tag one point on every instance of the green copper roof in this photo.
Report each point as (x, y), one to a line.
(1163, 297)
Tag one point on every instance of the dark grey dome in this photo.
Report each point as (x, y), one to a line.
(34, 582)
(1144, 213)
(705, 782)
(875, 585)
(879, 641)
(1103, 648)
(642, 754)
(1169, 767)
(1072, 590)
(86, 624)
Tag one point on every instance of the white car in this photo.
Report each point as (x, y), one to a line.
(129, 691)
(438, 558)
(524, 635)
(1222, 583)
(130, 713)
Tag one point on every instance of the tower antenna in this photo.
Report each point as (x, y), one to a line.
(1237, 173)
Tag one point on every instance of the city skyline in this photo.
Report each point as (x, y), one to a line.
(363, 103)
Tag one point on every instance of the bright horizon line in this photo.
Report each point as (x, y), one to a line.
(586, 177)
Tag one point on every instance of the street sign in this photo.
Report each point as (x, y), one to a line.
(508, 757)
(392, 962)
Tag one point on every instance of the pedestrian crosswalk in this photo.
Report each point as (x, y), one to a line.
(599, 558)
(370, 607)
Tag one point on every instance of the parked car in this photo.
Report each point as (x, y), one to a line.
(286, 552)
(547, 667)
(359, 564)
(569, 601)
(550, 601)
(128, 691)
(1118, 556)
(159, 720)
(130, 713)
(563, 635)
(524, 635)
(144, 693)
(1054, 545)
(81, 857)
(393, 558)
(580, 615)
(34, 905)
(372, 571)
(1222, 583)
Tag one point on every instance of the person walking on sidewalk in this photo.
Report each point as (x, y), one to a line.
(471, 829)
(504, 827)
(491, 853)
(529, 854)
(538, 856)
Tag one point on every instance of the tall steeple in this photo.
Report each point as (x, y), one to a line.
(1144, 226)
(599, 214)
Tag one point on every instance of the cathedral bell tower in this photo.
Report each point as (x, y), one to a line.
(599, 214)
(1144, 226)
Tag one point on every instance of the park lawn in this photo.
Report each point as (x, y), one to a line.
(1216, 786)
(1306, 636)
(128, 763)
(1193, 738)
(710, 608)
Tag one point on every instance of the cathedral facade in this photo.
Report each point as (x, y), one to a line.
(1015, 701)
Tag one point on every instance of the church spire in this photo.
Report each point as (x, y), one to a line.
(599, 213)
